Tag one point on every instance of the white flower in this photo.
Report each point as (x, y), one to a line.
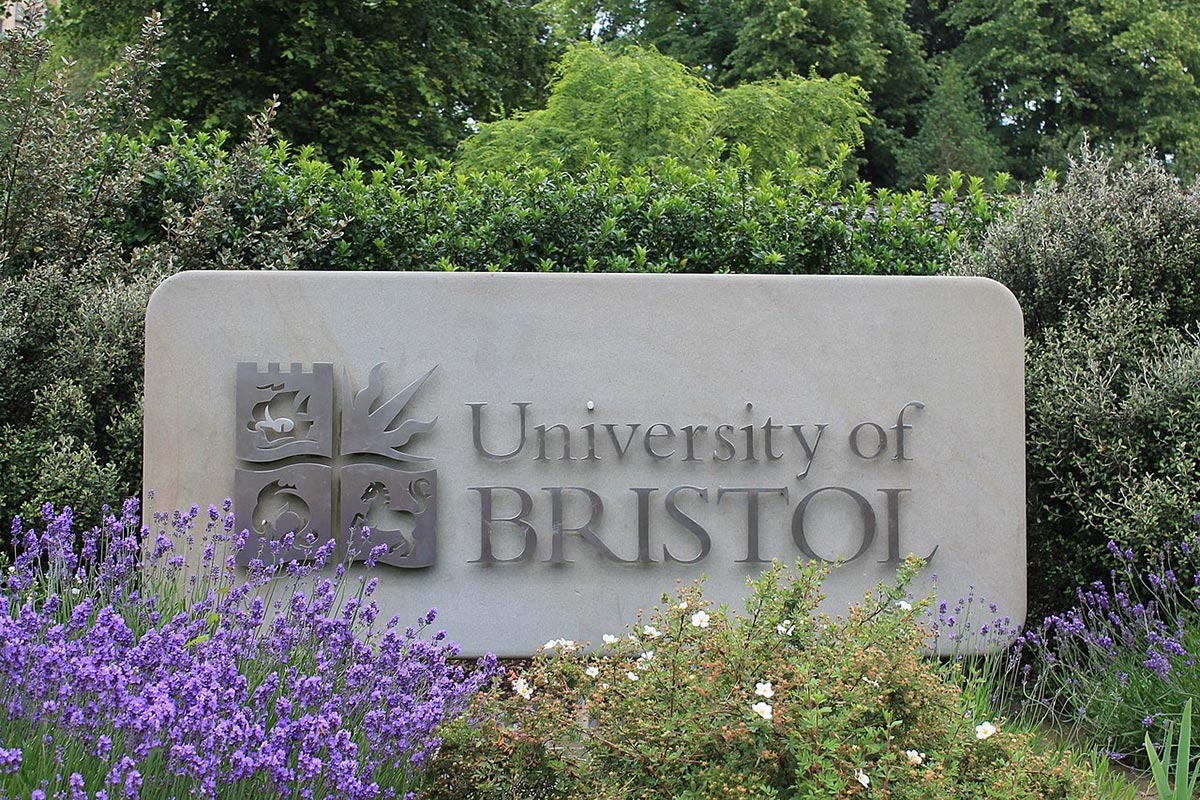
(631, 675)
(550, 645)
(904, 605)
(651, 631)
(764, 689)
(592, 672)
(522, 687)
(862, 778)
(700, 619)
(644, 659)
(682, 605)
(785, 628)
(914, 758)
(763, 710)
(610, 639)
(984, 730)
(567, 645)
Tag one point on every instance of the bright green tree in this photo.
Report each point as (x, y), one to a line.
(733, 42)
(634, 104)
(1121, 73)
(358, 79)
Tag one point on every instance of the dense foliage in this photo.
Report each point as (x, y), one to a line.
(1022, 82)
(91, 219)
(1120, 72)
(1104, 265)
(353, 79)
(981, 84)
(637, 107)
(732, 42)
(669, 218)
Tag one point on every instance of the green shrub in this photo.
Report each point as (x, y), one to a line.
(1105, 266)
(697, 702)
(92, 217)
(666, 218)
(1129, 229)
(1113, 428)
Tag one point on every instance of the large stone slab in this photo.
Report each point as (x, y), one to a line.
(546, 454)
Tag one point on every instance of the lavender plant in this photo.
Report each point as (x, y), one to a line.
(1122, 662)
(123, 676)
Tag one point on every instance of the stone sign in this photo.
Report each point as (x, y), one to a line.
(544, 455)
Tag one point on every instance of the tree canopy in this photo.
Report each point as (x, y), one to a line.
(1120, 72)
(634, 104)
(353, 79)
(954, 134)
(948, 84)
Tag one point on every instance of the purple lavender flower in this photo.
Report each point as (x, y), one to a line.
(312, 700)
(10, 760)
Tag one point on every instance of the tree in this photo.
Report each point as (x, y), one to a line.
(698, 33)
(954, 135)
(869, 39)
(354, 79)
(732, 42)
(1118, 72)
(635, 104)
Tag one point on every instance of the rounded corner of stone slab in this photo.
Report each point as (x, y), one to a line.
(1001, 297)
(170, 287)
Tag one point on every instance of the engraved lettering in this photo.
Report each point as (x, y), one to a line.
(692, 432)
(643, 505)
(768, 428)
(880, 440)
(586, 531)
(893, 508)
(590, 428)
(809, 450)
(752, 493)
(566, 441)
(612, 434)
(723, 441)
(865, 510)
(900, 428)
(749, 431)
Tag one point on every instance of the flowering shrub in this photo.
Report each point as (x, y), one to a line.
(698, 702)
(109, 687)
(1122, 662)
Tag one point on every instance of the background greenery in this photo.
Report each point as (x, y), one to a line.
(973, 85)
